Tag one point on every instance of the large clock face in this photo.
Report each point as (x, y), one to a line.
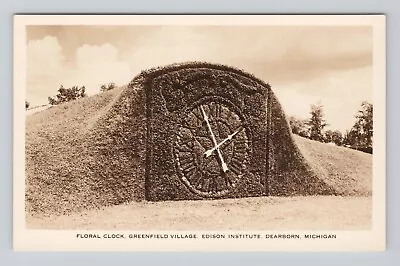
(211, 148)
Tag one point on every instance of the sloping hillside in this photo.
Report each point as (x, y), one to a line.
(65, 149)
(91, 153)
(348, 171)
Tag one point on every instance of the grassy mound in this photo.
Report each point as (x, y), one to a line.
(69, 163)
(91, 153)
(348, 171)
(289, 173)
(278, 168)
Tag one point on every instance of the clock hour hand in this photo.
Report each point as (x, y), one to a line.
(209, 152)
(224, 166)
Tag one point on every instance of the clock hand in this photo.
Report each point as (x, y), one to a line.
(224, 166)
(210, 151)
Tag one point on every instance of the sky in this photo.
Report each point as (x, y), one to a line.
(305, 65)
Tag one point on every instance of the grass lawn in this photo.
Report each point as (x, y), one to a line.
(263, 213)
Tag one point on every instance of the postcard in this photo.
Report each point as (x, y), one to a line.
(199, 133)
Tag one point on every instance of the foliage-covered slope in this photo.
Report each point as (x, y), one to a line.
(91, 153)
(79, 156)
(348, 171)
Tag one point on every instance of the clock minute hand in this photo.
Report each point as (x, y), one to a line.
(230, 137)
(224, 166)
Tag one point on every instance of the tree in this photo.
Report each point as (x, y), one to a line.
(316, 123)
(360, 135)
(66, 95)
(298, 126)
(27, 104)
(108, 87)
(334, 136)
(364, 123)
(349, 138)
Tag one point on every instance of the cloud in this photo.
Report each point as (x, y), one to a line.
(94, 66)
(44, 65)
(308, 64)
(341, 94)
(169, 45)
(97, 65)
(275, 54)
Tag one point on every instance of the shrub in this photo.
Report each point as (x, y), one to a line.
(66, 95)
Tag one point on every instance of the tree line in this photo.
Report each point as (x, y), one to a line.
(359, 136)
(73, 93)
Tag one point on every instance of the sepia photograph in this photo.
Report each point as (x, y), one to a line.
(259, 132)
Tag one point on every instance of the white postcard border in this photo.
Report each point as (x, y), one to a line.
(66, 240)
